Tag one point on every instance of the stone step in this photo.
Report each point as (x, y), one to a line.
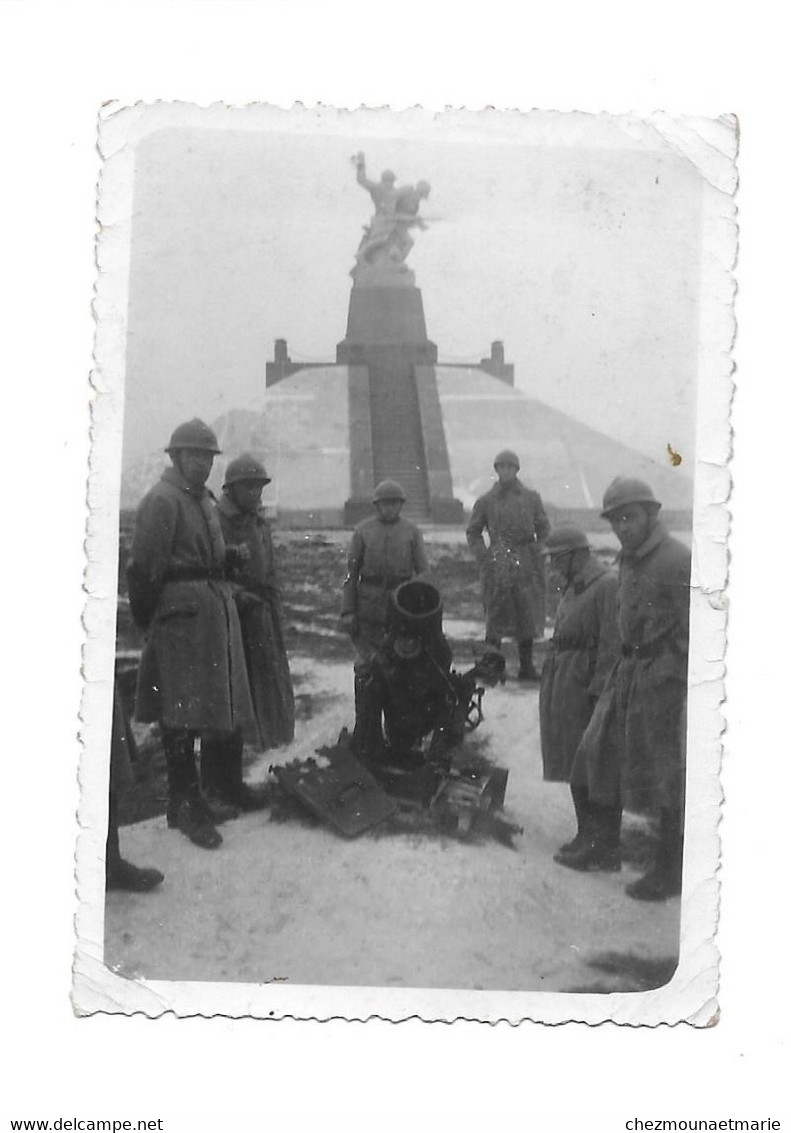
(396, 435)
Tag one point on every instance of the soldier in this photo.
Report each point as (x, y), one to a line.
(512, 567)
(192, 677)
(257, 595)
(385, 551)
(633, 752)
(581, 654)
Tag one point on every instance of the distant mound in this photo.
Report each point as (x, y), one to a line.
(302, 434)
(568, 462)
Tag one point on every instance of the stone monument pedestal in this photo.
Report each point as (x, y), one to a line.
(396, 430)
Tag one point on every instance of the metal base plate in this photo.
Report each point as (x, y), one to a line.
(337, 788)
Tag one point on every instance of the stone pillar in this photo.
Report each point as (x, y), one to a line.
(496, 364)
(386, 336)
(361, 467)
(444, 508)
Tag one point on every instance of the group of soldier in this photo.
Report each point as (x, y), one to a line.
(214, 672)
(612, 699)
(614, 687)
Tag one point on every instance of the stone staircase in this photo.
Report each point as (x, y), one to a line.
(396, 433)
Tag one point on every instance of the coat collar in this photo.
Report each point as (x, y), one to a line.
(226, 505)
(592, 570)
(512, 486)
(173, 476)
(657, 536)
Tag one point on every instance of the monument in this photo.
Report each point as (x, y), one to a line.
(395, 420)
(386, 407)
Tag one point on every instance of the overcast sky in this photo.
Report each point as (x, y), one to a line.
(583, 258)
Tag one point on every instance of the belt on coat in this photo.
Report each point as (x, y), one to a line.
(514, 543)
(388, 581)
(192, 574)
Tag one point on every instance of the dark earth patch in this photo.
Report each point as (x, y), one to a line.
(628, 972)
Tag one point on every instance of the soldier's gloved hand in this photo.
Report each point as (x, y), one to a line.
(349, 624)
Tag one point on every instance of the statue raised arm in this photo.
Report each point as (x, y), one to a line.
(383, 192)
(386, 241)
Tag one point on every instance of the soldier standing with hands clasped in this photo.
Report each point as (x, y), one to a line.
(512, 567)
(580, 657)
(385, 551)
(633, 752)
(192, 678)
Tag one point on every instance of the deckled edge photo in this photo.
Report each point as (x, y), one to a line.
(710, 145)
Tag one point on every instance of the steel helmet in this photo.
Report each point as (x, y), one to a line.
(193, 434)
(626, 490)
(245, 467)
(388, 490)
(565, 537)
(507, 457)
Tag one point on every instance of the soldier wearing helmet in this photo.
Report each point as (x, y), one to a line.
(385, 550)
(512, 571)
(580, 657)
(633, 753)
(257, 594)
(192, 678)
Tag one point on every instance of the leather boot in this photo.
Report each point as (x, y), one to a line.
(186, 808)
(179, 757)
(367, 738)
(359, 691)
(215, 775)
(663, 879)
(237, 792)
(118, 873)
(196, 822)
(579, 796)
(527, 670)
(600, 851)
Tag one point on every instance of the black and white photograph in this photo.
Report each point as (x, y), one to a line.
(406, 558)
(290, 839)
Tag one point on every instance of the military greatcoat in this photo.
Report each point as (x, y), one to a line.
(257, 597)
(513, 575)
(635, 745)
(582, 653)
(192, 671)
(381, 557)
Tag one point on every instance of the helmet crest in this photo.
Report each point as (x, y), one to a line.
(245, 467)
(193, 434)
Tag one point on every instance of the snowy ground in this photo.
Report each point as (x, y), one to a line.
(280, 900)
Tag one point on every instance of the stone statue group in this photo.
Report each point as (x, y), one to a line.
(387, 240)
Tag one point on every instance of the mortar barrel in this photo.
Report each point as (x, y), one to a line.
(416, 610)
